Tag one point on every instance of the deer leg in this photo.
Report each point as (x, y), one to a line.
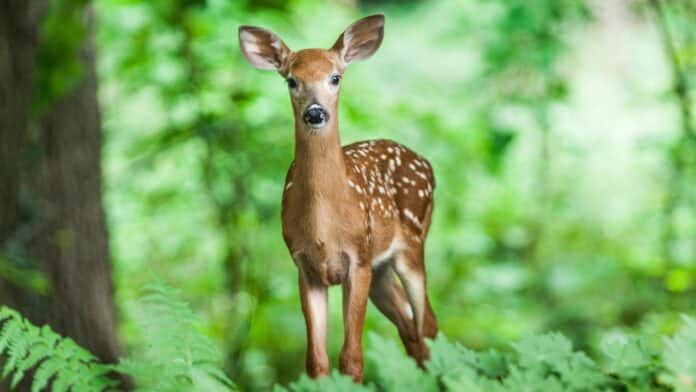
(411, 271)
(314, 298)
(355, 293)
(429, 321)
(389, 297)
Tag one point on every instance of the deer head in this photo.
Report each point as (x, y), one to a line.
(313, 75)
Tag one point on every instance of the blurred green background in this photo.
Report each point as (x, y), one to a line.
(560, 132)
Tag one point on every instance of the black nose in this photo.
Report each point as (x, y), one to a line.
(315, 115)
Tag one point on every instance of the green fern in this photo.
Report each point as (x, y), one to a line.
(177, 357)
(59, 362)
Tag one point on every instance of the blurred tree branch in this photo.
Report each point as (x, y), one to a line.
(686, 141)
(520, 66)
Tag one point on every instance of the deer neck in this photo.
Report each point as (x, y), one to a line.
(319, 164)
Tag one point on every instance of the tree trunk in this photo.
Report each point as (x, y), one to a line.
(51, 215)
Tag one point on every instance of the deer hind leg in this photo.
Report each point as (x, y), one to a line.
(410, 268)
(389, 297)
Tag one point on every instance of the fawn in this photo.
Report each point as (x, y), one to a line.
(354, 215)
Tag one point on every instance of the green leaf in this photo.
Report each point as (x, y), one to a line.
(679, 357)
(396, 371)
(334, 382)
(630, 359)
(452, 363)
(544, 349)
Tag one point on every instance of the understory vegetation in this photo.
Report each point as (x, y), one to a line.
(178, 357)
(562, 250)
(552, 164)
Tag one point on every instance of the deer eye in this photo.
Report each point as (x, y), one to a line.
(335, 79)
(292, 83)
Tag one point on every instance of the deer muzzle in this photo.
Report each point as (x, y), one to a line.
(315, 116)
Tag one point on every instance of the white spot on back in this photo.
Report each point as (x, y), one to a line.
(410, 216)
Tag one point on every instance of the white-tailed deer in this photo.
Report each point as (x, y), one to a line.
(356, 215)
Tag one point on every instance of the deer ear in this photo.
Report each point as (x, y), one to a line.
(262, 48)
(361, 39)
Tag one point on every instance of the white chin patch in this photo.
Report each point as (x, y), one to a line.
(317, 126)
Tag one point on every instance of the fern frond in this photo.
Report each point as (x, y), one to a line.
(177, 357)
(27, 347)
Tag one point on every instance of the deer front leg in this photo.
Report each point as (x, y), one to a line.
(356, 289)
(314, 297)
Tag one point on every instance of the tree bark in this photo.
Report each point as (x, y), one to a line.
(51, 215)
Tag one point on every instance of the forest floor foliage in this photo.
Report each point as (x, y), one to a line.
(178, 357)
